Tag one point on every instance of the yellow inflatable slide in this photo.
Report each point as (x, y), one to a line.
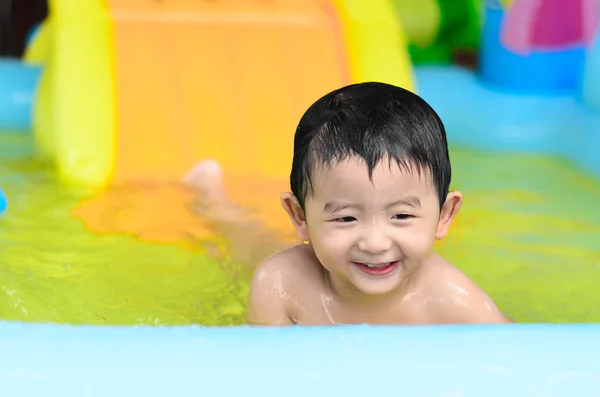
(144, 89)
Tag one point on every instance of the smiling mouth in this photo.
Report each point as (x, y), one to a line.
(377, 269)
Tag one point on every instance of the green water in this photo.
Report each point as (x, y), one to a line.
(528, 233)
(53, 269)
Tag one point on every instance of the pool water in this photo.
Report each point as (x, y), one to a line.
(528, 234)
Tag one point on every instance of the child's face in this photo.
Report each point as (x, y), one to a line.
(373, 233)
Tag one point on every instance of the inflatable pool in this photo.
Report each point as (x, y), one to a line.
(129, 292)
(128, 301)
(521, 360)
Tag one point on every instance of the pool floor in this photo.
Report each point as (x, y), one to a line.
(528, 234)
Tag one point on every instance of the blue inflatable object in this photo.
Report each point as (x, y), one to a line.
(515, 360)
(480, 117)
(17, 88)
(3, 202)
(590, 85)
(547, 72)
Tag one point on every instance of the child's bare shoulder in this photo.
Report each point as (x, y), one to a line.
(273, 291)
(297, 263)
(457, 298)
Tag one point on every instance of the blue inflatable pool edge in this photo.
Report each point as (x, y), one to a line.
(482, 117)
(517, 360)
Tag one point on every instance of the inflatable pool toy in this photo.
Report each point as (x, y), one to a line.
(525, 51)
(438, 29)
(531, 25)
(17, 88)
(590, 82)
(3, 202)
(18, 82)
(111, 84)
(522, 102)
(39, 45)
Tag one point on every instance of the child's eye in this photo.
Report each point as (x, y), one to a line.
(402, 217)
(345, 219)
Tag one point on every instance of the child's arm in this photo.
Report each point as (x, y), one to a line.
(268, 298)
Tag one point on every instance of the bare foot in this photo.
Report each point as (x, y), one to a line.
(207, 179)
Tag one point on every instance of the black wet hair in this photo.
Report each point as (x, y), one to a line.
(372, 121)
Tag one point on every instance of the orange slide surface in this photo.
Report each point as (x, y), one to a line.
(200, 79)
(227, 80)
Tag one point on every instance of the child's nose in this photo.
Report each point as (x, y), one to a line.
(374, 242)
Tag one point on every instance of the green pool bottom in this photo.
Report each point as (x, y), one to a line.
(528, 234)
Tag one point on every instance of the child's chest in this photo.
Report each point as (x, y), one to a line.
(327, 311)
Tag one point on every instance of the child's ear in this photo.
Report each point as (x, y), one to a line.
(449, 210)
(294, 210)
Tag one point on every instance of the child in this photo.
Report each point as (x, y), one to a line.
(369, 180)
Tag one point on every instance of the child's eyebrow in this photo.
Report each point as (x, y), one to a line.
(411, 201)
(331, 207)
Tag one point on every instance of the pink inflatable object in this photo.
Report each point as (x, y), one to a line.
(549, 25)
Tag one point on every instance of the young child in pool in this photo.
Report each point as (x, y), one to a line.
(369, 196)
